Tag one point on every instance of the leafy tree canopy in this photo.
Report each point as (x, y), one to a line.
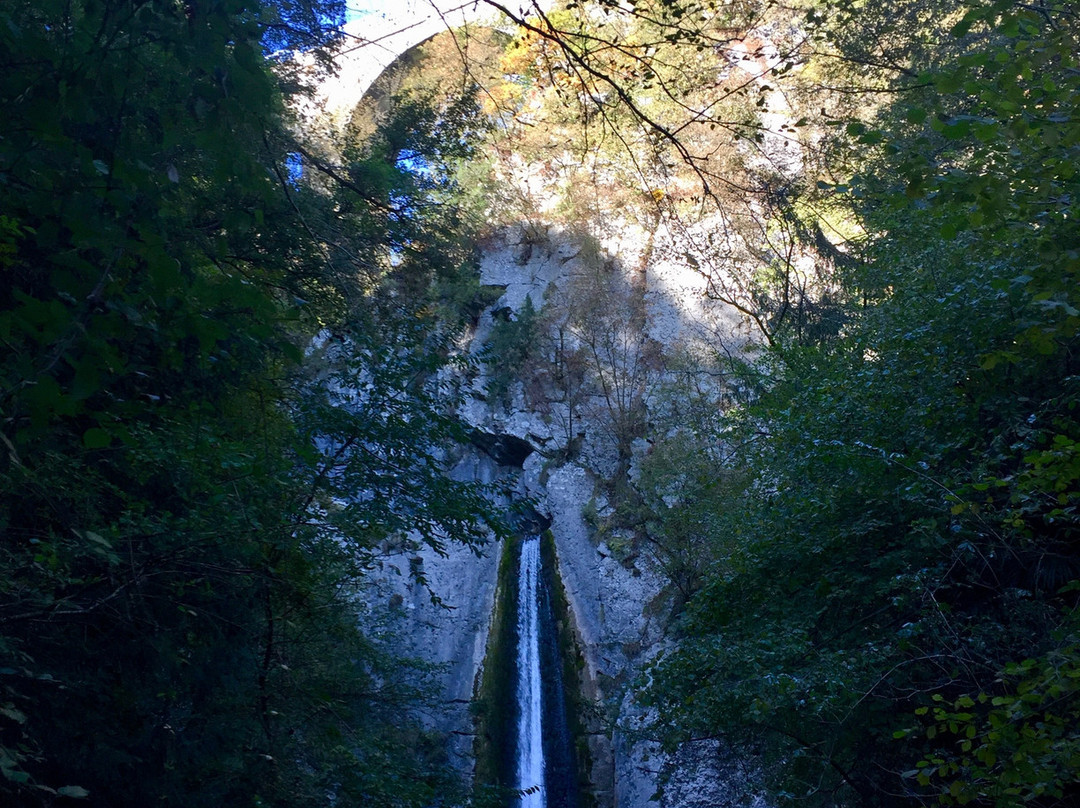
(189, 507)
(890, 606)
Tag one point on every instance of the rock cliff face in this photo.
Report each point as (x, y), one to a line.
(445, 621)
(600, 329)
(619, 601)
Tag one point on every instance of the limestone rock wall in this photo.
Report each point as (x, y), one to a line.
(624, 302)
(613, 599)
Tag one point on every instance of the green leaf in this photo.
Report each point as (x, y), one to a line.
(962, 27)
(96, 438)
(97, 538)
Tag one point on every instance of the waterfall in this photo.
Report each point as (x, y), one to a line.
(530, 738)
(545, 772)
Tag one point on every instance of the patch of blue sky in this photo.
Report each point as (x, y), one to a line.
(415, 163)
(359, 9)
(294, 167)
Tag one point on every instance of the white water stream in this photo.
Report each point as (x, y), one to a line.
(530, 738)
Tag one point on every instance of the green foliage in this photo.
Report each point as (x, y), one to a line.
(1013, 749)
(189, 507)
(683, 498)
(512, 342)
(905, 528)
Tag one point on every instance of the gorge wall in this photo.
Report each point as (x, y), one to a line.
(620, 602)
(606, 336)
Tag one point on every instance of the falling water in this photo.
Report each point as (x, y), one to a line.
(530, 743)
